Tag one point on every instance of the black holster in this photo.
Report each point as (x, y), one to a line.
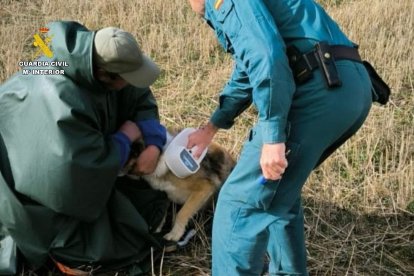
(321, 57)
(327, 65)
(380, 90)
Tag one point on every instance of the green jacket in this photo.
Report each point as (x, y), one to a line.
(61, 195)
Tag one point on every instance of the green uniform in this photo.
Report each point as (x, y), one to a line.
(252, 218)
(59, 192)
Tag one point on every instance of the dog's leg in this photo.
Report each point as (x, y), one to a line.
(193, 204)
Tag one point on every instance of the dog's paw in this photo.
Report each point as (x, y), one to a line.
(175, 234)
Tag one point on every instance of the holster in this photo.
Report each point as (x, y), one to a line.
(380, 90)
(327, 65)
(323, 56)
(299, 64)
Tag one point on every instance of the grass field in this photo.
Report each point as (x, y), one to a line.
(359, 205)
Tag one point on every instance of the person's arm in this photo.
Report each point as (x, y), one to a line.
(154, 135)
(259, 50)
(127, 134)
(235, 98)
(79, 164)
(139, 105)
(253, 38)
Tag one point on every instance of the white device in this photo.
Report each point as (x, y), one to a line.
(179, 159)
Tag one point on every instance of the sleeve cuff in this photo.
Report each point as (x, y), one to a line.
(153, 133)
(155, 141)
(273, 131)
(124, 146)
(220, 120)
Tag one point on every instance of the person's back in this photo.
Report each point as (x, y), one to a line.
(305, 19)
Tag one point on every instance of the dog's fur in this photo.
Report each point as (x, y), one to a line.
(193, 191)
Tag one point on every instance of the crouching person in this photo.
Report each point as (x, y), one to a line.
(63, 140)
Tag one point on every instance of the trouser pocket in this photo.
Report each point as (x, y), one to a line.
(244, 185)
(262, 194)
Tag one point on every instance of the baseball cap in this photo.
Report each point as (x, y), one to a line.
(117, 51)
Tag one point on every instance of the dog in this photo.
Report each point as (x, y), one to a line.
(192, 192)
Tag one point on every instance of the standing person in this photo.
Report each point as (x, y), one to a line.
(312, 93)
(64, 139)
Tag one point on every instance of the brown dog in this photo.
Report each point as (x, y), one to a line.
(193, 191)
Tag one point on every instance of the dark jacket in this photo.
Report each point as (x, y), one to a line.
(61, 195)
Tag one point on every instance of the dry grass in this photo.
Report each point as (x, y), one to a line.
(359, 220)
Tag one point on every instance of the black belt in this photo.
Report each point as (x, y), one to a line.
(337, 51)
(302, 64)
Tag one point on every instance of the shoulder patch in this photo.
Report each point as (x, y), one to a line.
(218, 4)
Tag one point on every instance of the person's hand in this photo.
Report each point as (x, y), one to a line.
(273, 161)
(131, 130)
(201, 138)
(147, 161)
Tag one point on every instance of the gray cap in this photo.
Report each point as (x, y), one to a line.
(117, 51)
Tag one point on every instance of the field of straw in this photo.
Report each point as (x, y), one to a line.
(359, 205)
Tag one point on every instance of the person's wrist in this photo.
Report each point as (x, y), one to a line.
(124, 136)
(131, 130)
(130, 137)
(211, 129)
(153, 149)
